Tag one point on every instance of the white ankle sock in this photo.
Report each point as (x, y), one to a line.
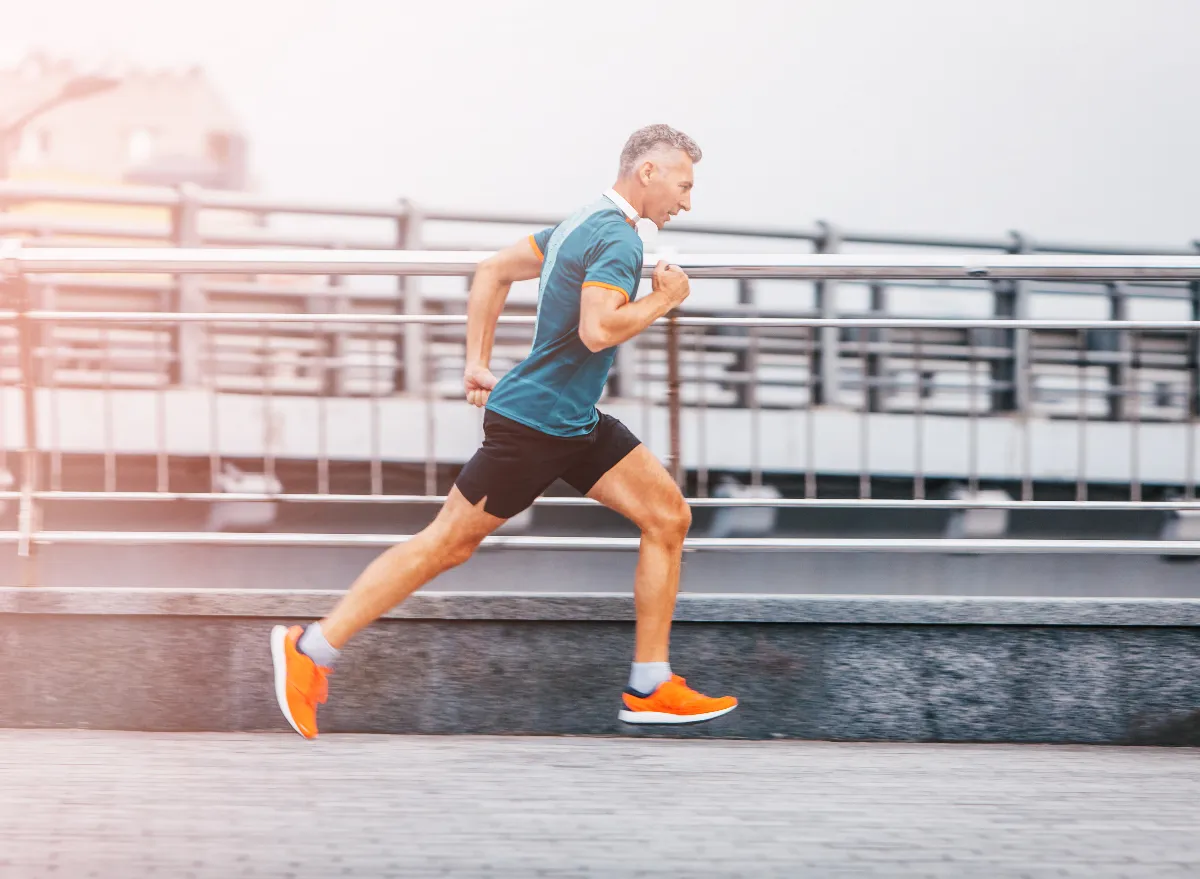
(644, 677)
(313, 645)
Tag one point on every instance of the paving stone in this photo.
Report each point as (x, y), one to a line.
(136, 805)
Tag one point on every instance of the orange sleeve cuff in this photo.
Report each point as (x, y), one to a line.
(536, 249)
(604, 286)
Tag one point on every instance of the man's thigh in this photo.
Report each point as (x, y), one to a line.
(609, 444)
(461, 519)
(639, 488)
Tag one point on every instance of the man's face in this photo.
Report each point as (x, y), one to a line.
(667, 177)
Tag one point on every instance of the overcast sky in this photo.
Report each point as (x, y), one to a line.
(1065, 118)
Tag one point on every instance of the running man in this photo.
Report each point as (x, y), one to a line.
(541, 424)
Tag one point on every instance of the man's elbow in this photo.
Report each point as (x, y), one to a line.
(510, 265)
(489, 268)
(594, 338)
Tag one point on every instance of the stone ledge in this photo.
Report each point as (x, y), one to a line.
(617, 607)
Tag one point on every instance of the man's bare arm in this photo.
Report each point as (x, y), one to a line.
(607, 318)
(493, 279)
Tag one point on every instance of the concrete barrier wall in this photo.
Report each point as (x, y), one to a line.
(869, 668)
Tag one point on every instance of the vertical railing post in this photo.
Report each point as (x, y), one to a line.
(754, 395)
(1011, 301)
(1120, 371)
(1023, 367)
(1192, 408)
(875, 368)
(1012, 377)
(341, 341)
(408, 237)
(1023, 341)
(29, 514)
(675, 462)
(826, 361)
(743, 388)
(1004, 372)
(334, 380)
(188, 367)
(1193, 344)
(625, 383)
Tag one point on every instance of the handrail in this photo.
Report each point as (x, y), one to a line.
(336, 318)
(782, 503)
(34, 260)
(24, 192)
(692, 544)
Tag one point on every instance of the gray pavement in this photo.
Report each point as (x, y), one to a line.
(131, 805)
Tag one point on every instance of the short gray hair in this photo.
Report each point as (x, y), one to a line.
(646, 140)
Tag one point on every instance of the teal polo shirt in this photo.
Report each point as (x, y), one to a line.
(555, 388)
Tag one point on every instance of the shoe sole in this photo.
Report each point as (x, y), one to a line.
(660, 717)
(279, 660)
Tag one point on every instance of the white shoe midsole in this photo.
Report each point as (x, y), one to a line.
(661, 717)
(279, 661)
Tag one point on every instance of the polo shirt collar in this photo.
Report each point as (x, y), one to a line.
(626, 208)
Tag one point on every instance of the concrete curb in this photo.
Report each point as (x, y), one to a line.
(863, 668)
(617, 607)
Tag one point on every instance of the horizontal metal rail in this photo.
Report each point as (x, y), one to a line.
(29, 192)
(19, 258)
(695, 544)
(886, 323)
(779, 503)
(24, 192)
(1131, 290)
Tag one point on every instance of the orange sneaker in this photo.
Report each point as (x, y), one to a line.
(673, 702)
(300, 684)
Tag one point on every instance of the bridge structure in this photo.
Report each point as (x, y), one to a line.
(807, 368)
(248, 372)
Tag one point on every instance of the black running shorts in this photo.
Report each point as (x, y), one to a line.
(517, 463)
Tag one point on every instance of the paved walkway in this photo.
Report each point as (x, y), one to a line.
(133, 805)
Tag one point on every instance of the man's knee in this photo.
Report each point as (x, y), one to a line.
(457, 531)
(669, 521)
(441, 547)
(457, 549)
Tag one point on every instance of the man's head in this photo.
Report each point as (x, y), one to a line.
(656, 172)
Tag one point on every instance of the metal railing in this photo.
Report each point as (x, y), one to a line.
(188, 216)
(406, 224)
(724, 367)
(22, 265)
(1015, 267)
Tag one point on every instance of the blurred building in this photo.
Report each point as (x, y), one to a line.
(158, 127)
